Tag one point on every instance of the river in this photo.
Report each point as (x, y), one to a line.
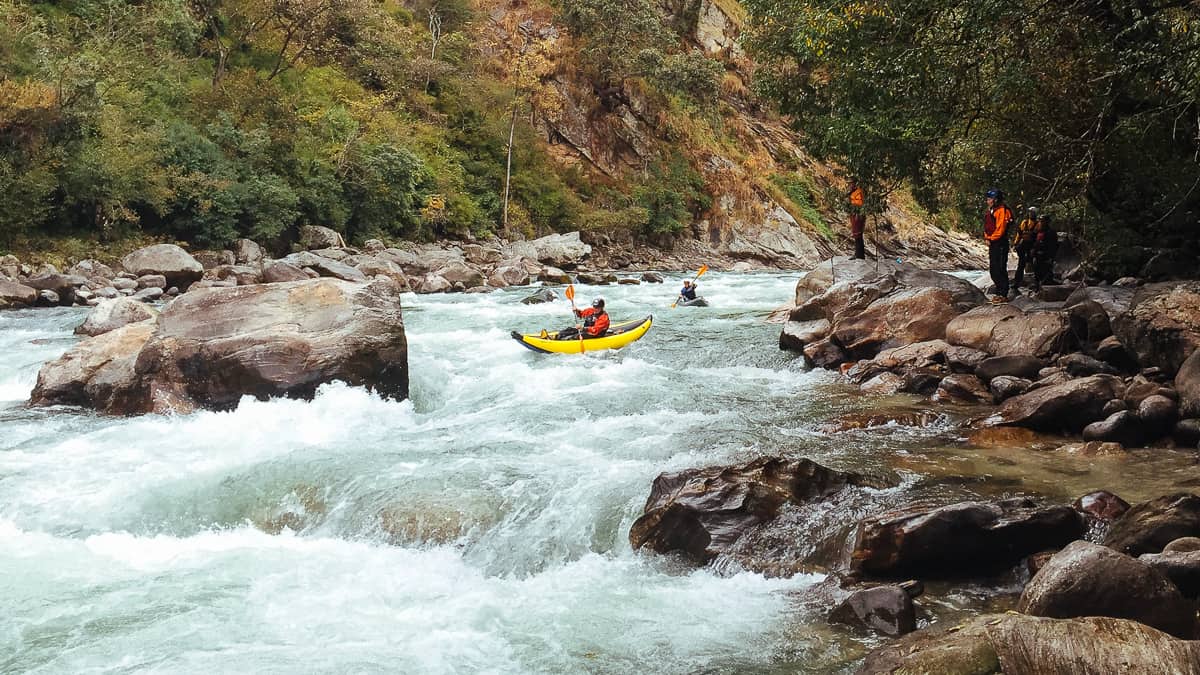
(481, 526)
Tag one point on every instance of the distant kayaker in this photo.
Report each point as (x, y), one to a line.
(595, 322)
(689, 291)
(996, 220)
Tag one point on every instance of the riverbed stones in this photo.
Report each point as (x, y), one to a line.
(960, 540)
(314, 237)
(1069, 406)
(1086, 579)
(1120, 427)
(1187, 383)
(1148, 527)
(109, 315)
(961, 388)
(325, 267)
(1101, 505)
(98, 372)
(540, 296)
(1023, 366)
(278, 271)
(175, 264)
(13, 294)
(702, 513)
(1005, 387)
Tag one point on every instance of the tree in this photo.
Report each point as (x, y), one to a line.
(1088, 107)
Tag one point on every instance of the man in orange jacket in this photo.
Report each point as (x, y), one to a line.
(995, 231)
(858, 219)
(595, 322)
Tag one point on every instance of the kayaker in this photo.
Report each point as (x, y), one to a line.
(595, 322)
(689, 291)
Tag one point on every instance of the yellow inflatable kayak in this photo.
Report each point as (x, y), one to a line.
(617, 336)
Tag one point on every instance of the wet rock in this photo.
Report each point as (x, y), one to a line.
(922, 381)
(1086, 579)
(796, 335)
(1187, 432)
(1157, 414)
(1162, 326)
(1069, 406)
(277, 271)
(1111, 351)
(885, 609)
(1182, 567)
(962, 389)
(960, 540)
(1089, 322)
(963, 359)
(900, 318)
(1120, 427)
(1004, 387)
(1187, 383)
(1005, 437)
(246, 252)
(110, 315)
(314, 237)
(1082, 365)
(1101, 505)
(539, 297)
(884, 384)
(13, 294)
(175, 264)
(595, 278)
(918, 354)
(629, 281)
(1150, 526)
(1026, 367)
(1093, 449)
(1013, 643)
(703, 512)
(98, 372)
(652, 277)
(825, 353)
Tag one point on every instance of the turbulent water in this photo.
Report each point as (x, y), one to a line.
(481, 526)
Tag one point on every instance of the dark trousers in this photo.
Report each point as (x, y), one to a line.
(1043, 268)
(858, 225)
(998, 265)
(1024, 255)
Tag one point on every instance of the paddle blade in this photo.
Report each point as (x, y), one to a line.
(570, 292)
(703, 269)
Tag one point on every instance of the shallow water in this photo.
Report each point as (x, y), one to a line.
(481, 526)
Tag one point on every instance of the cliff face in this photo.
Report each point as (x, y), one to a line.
(770, 201)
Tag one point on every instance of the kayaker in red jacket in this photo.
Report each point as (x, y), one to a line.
(595, 322)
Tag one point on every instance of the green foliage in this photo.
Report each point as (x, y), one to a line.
(1074, 105)
(799, 190)
(671, 197)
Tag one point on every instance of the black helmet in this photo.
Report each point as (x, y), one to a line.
(598, 303)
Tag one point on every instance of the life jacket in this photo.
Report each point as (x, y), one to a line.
(688, 293)
(595, 321)
(995, 223)
(1025, 232)
(857, 197)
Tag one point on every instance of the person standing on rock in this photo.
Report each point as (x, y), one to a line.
(995, 231)
(1045, 248)
(1023, 244)
(858, 218)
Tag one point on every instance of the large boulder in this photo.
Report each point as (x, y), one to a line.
(900, 318)
(1015, 643)
(1114, 299)
(1086, 579)
(373, 267)
(886, 609)
(704, 512)
(98, 372)
(174, 263)
(326, 267)
(61, 285)
(247, 252)
(1005, 330)
(840, 270)
(213, 346)
(960, 540)
(1068, 406)
(508, 275)
(1182, 567)
(1162, 326)
(110, 315)
(1187, 383)
(974, 327)
(559, 250)
(460, 273)
(1150, 526)
(13, 294)
(278, 271)
(314, 237)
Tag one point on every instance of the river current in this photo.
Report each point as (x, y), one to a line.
(482, 525)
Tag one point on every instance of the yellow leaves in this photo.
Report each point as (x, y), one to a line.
(20, 100)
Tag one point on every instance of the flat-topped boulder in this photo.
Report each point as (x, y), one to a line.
(1067, 406)
(211, 347)
(1162, 326)
(13, 294)
(169, 260)
(109, 315)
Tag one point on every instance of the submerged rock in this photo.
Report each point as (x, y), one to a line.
(539, 297)
(884, 609)
(960, 540)
(1086, 579)
(703, 512)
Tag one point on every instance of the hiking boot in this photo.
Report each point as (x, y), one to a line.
(998, 300)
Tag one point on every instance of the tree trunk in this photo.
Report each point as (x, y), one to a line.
(512, 127)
